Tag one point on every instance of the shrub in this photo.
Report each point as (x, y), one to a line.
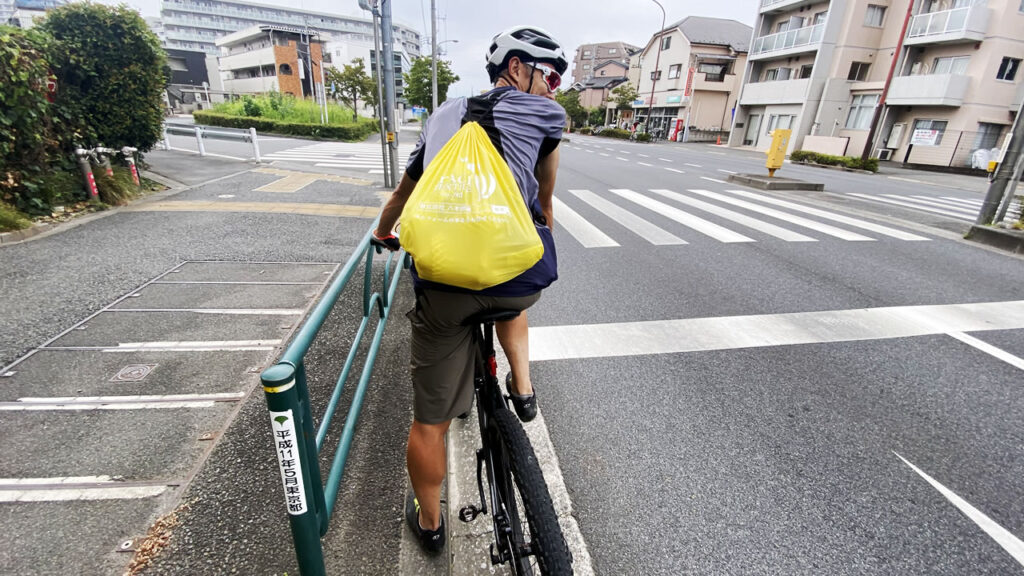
(11, 219)
(250, 107)
(586, 130)
(115, 190)
(643, 137)
(348, 132)
(852, 162)
(615, 133)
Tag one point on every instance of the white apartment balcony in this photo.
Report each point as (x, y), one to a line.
(949, 26)
(252, 59)
(772, 6)
(775, 92)
(928, 90)
(789, 42)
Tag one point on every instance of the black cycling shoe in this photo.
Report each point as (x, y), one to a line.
(432, 541)
(525, 405)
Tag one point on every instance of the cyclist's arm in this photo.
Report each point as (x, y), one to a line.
(393, 208)
(547, 167)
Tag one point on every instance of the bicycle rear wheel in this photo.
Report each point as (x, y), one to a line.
(540, 548)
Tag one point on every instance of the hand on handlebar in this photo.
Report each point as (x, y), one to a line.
(389, 242)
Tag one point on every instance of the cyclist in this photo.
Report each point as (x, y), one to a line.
(525, 65)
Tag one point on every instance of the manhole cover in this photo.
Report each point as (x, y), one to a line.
(133, 372)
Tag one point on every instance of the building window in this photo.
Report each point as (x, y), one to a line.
(586, 66)
(988, 136)
(1008, 69)
(666, 42)
(284, 70)
(777, 74)
(858, 71)
(613, 50)
(780, 121)
(939, 125)
(820, 17)
(951, 65)
(861, 110)
(586, 53)
(805, 70)
(673, 71)
(656, 75)
(713, 72)
(874, 16)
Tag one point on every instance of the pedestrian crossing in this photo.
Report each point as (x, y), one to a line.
(963, 209)
(729, 217)
(350, 155)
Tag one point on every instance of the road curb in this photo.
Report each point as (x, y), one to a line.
(1009, 240)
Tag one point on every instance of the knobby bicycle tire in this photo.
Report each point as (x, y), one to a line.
(547, 542)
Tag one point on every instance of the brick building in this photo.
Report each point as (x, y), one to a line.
(268, 57)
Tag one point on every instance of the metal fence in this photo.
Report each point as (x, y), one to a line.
(695, 135)
(958, 149)
(309, 501)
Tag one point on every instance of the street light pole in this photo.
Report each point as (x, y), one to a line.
(433, 56)
(657, 62)
(372, 9)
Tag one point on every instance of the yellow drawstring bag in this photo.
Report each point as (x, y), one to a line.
(466, 223)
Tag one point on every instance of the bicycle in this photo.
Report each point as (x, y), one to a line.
(516, 486)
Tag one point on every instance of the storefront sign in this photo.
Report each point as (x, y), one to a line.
(689, 81)
(674, 99)
(925, 137)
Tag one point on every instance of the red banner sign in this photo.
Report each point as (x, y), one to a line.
(689, 82)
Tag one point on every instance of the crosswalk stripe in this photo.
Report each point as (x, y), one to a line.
(586, 233)
(965, 201)
(770, 229)
(862, 224)
(650, 232)
(685, 218)
(674, 170)
(970, 211)
(946, 213)
(792, 219)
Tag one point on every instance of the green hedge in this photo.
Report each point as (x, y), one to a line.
(349, 132)
(853, 162)
(615, 133)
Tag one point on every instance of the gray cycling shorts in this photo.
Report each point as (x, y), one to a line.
(442, 353)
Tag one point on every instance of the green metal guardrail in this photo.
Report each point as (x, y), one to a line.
(309, 501)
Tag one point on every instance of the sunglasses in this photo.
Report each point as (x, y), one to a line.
(551, 77)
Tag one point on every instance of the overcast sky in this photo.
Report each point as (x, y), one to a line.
(474, 22)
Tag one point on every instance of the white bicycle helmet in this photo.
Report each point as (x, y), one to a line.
(528, 43)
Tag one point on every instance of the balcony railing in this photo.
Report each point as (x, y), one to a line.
(928, 90)
(806, 36)
(771, 5)
(968, 23)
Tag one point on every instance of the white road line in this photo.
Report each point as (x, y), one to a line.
(645, 164)
(603, 154)
(73, 488)
(674, 170)
(726, 171)
(646, 230)
(770, 229)
(947, 213)
(735, 332)
(965, 201)
(589, 150)
(906, 180)
(229, 311)
(989, 349)
(624, 152)
(714, 180)
(940, 203)
(1013, 545)
(81, 403)
(685, 218)
(375, 171)
(621, 158)
(791, 218)
(211, 154)
(664, 159)
(584, 232)
(249, 283)
(201, 346)
(694, 165)
(716, 153)
(57, 481)
(863, 224)
(644, 155)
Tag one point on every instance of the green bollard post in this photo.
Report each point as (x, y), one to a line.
(291, 442)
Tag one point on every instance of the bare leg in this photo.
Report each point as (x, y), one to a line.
(425, 457)
(514, 336)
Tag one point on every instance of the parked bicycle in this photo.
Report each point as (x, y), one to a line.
(516, 489)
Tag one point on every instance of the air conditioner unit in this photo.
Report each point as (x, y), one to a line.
(884, 153)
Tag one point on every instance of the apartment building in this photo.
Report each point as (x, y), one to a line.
(24, 13)
(689, 74)
(338, 53)
(819, 69)
(589, 58)
(269, 58)
(197, 24)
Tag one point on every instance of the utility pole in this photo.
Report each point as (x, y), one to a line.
(389, 86)
(1006, 173)
(372, 8)
(657, 62)
(433, 56)
(885, 89)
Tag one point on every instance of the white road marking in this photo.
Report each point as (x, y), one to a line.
(674, 170)
(989, 349)
(72, 488)
(646, 230)
(717, 153)
(229, 311)
(589, 150)
(664, 159)
(603, 154)
(965, 201)
(791, 218)
(81, 403)
(863, 224)
(584, 232)
(970, 211)
(694, 165)
(714, 180)
(624, 152)
(770, 229)
(906, 180)
(644, 155)
(955, 204)
(1013, 545)
(734, 332)
(203, 346)
(726, 171)
(211, 154)
(621, 158)
(248, 282)
(685, 218)
(948, 213)
(645, 164)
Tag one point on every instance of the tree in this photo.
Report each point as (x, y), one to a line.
(623, 96)
(596, 116)
(110, 75)
(350, 84)
(570, 101)
(417, 82)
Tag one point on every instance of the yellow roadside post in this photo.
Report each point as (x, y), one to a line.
(777, 151)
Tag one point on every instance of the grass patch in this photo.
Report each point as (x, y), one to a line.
(116, 190)
(11, 219)
(284, 108)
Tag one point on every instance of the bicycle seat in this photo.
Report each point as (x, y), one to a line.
(490, 315)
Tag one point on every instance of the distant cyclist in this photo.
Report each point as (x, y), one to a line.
(526, 65)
